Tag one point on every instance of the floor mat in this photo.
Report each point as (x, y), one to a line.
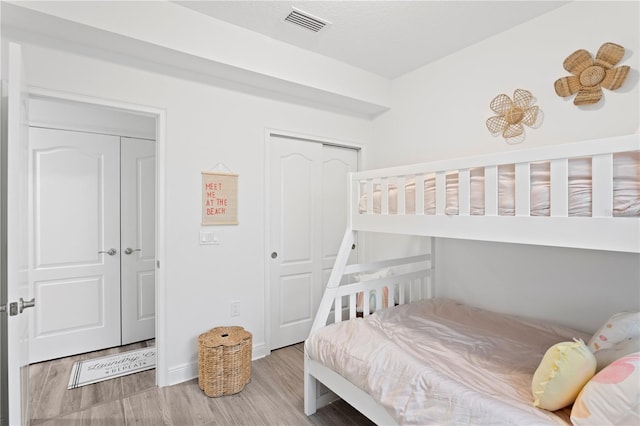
(108, 367)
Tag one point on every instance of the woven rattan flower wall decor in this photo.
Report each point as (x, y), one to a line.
(512, 114)
(590, 76)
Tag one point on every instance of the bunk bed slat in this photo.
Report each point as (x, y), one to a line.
(523, 189)
(365, 304)
(352, 305)
(559, 187)
(401, 185)
(337, 310)
(369, 192)
(419, 194)
(491, 191)
(384, 200)
(601, 187)
(464, 192)
(441, 193)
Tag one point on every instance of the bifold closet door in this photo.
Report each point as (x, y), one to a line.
(74, 242)
(308, 214)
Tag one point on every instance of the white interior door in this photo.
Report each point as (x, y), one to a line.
(14, 232)
(336, 164)
(138, 242)
(308, 213)
(75, 237)
(296, 240)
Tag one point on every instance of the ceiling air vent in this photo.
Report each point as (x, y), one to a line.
(306, 20)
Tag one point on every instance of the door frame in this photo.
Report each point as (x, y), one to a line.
(160, 115)
(268, 134)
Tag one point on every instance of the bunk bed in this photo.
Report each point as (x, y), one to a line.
(580, 195)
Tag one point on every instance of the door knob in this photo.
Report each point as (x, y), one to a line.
(110, 252)
(22, 305)
(129, 250)
(274, 255)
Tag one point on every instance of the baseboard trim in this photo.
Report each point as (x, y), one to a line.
(189, 371)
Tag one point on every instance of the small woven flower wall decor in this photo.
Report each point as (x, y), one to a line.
(590, 76)
(512, 114)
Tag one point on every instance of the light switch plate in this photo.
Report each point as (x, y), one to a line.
(209, 238)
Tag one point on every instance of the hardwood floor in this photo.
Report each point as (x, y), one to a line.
(273, 397)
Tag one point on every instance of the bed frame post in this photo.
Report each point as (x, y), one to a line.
(310, 390)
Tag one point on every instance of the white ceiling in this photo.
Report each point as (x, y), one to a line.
(388, 38)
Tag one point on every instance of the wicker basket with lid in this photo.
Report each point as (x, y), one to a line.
(224, 360)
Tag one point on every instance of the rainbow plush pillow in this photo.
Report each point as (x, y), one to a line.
(562, 373)
(382, 273)
(611, 397)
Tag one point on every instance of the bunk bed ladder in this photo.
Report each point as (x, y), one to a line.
(334, 280)
(310, 383)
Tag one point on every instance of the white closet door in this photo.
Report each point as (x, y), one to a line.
(138, 188)
(75, 236)
(296, 240)
(336, 164)
(308, 216)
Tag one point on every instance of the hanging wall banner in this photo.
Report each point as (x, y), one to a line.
(219, 198)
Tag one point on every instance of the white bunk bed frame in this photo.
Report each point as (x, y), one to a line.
(601, 231)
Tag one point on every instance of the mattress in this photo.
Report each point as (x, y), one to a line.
(626, 190)
(441, 362)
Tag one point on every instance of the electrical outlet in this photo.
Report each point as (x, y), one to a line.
(235, 309)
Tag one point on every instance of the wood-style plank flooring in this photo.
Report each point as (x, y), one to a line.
(273, 397)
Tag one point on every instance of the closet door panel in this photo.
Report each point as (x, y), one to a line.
(296, 181)
(337, 163)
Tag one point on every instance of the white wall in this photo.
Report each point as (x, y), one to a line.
(439, 111)
(204, 125)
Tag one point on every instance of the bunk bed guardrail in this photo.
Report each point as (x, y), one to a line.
(599, 228)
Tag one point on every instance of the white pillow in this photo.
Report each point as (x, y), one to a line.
(611, 397)
(619, 327)
(606, 356)
(562, 373)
